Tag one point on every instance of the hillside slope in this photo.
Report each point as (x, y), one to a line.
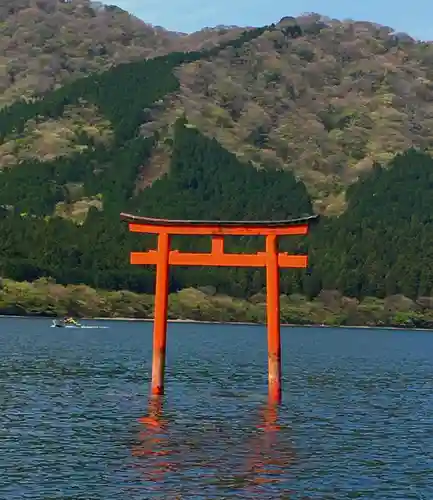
(324, 102)
(44, 43)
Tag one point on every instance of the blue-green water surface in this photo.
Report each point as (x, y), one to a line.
(356, 419)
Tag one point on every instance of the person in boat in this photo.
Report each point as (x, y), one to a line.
(68, 320)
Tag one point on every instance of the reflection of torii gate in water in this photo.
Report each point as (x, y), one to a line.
(271, 259)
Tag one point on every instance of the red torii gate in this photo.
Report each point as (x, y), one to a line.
(271, 259)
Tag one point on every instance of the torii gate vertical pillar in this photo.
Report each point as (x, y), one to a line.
(160, 315)
(273, 318)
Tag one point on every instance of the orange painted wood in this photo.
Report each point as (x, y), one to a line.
(152, 221)
(273, 319)
(161, 309)
(217, 245)
(177, 258)
(301, 229)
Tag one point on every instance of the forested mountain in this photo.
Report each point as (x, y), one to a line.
(317, 96)
(139, 138)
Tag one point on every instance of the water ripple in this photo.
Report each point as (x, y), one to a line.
(76, 422)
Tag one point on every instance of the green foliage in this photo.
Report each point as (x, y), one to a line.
(205, 181)
(136, 86)
(381, 246)
(45, 297)
(35, 187)
(122, 94)
(383, 243)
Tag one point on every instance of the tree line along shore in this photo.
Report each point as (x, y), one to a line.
(45, 298)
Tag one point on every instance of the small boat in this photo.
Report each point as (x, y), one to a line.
(72, 323)
(66, 323)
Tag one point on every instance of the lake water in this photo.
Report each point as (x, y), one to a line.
(75, 421)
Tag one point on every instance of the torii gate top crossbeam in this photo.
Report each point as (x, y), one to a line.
(298, 226)
(217, 230)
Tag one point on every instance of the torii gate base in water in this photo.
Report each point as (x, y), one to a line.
(271, 259)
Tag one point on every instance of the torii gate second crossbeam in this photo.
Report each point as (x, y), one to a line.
(271, 259)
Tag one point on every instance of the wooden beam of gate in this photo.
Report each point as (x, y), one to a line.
(289, 227)
(177, 258)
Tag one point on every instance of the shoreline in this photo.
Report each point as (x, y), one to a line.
(227, 323)
(245, 323)
(47, 299)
